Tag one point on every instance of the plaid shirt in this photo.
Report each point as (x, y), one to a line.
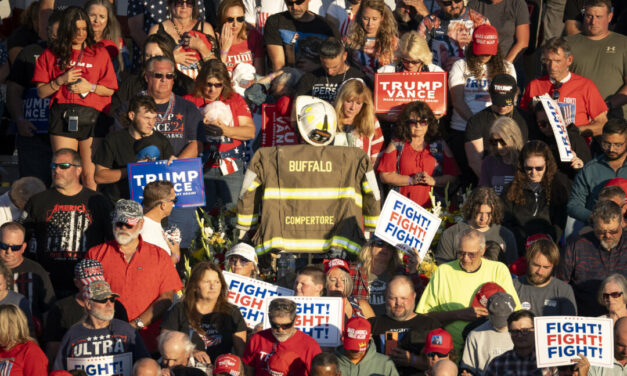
(510, 364)
(360, 281)
(584, 264)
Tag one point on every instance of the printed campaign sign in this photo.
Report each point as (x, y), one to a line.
(276, 129)
(559, 128)
(405, 224)
(184, 174)
(560, 338)
(322, 318)
(249, 294)
(393, 90)
(112, 365)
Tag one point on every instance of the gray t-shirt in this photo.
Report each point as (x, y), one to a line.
(482, 345)
(504, 16)
(555, 299)
(497, 233)
(20, 300)
(603, 61)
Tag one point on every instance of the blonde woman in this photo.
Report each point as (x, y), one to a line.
(413, 55)
(19, 352)
(357, 125)
(497, 169)
(372, 36)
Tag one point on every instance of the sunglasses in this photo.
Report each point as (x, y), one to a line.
(472, 255)
(159, 75)
(615, 295)
(123, 225)
(6, 247)
(497, 141)
(216, 85)
(520, 332)
(233, 19)
(184, 3)
(537, 168)
(234, 259)
(292, 3)
(62, 166)
(413, 123)
(174, 200)
(276, 326)
(433, 354)
(409, 61)
(449, 3)
(110, 299)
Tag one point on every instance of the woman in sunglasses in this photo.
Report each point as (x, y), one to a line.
(215, 326)
(505, 142)
(413, 55)
(613, 296)
(194, 39)
(223, 149)
(418, 158)
(242, 260)
(239, 43)
(17, 344)
(534, 202)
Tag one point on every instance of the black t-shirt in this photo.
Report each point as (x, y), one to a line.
(22, 37)
(480, 123)
(411, 25)
(32, 281)
(412, 335)
(67, 312)
(219, 329)
(318, 84)
(119, 149)
(65, 227)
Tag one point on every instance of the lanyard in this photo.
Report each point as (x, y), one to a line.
(168, 111)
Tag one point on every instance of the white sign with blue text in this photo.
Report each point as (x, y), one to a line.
(111, 365)
(558, 125)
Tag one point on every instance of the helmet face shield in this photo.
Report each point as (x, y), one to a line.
(319, 136)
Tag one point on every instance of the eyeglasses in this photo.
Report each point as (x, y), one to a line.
(537, 168)
(609, 145)
(233, 19)
(433, 354)
(292, 3)
(472, 255)
(234, 259)
(555, 94)
(183, 4)
(110, 299)
(276, 326)
(409, 61)
(615, 295)
(174, 200)
(608, 232)
(6, 247)
(159, 75)
(421, 122)
(520, 332)
(544, 123)
(216, 85)
(62, 166)
(123, 225)
(449, 3)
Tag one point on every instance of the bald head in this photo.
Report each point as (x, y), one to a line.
(146, 367)
(620, 340)
(444, 367)
(175, 348)
(400, 298)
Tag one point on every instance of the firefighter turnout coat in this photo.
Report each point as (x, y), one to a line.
(305, 198)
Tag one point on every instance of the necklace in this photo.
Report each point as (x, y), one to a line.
(326, 76)
(177, 29)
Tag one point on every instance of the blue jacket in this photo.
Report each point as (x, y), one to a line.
(587, 185)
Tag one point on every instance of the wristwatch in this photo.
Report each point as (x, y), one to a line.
(140, 324)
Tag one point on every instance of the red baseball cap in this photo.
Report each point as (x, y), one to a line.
(227, 363)
(621, 182)
(280, 363)
(534, 238)
(438, 341)
(336, 263)
(485, 40)
(357, 334)
(485, 292)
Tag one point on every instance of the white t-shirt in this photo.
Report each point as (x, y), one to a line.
(152, 233)
(476, 94)
(268, 8)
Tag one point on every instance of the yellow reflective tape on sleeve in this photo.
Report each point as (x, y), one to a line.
(253, 186)
(366, 187)
(312, 194)
(250, 179)
(307, 245)
(247, 220)
(371, 180)
(371, 221)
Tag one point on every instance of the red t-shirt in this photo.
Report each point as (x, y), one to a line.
(432, 160)
(245, 51)
(260, 346)
(238, 108)
(96, 67)
(25, 359)
(112, 48)
(578, 91)
(139, 282)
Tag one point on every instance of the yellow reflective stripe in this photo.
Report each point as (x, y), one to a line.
(253, 186)
(247, 220)
(371, 221)
(312, 194)
(307, 245)
(366, 187)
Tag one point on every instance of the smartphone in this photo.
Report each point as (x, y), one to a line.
(391, 342)
(72, 123)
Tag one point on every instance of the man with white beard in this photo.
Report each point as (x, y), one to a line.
(282, 336)
(142, 272)
(99, 335)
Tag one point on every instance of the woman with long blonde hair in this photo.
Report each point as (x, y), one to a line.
(17, 347)
(357, 125)
(497, 169)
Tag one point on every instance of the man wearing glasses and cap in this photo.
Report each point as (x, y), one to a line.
(99, 335)
(142, 272)
(281, 337)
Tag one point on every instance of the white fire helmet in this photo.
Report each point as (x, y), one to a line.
(316, 120)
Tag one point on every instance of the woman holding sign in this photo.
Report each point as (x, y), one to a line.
(418, 158)
(214, 325)
(413, 55)
(535, 200)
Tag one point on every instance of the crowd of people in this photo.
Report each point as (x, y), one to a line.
(94, 283)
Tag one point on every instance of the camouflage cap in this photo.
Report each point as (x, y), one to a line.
(128, 211)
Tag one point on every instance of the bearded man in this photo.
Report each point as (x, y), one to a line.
(143, 273)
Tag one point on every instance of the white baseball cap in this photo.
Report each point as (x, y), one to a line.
(243, 250)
